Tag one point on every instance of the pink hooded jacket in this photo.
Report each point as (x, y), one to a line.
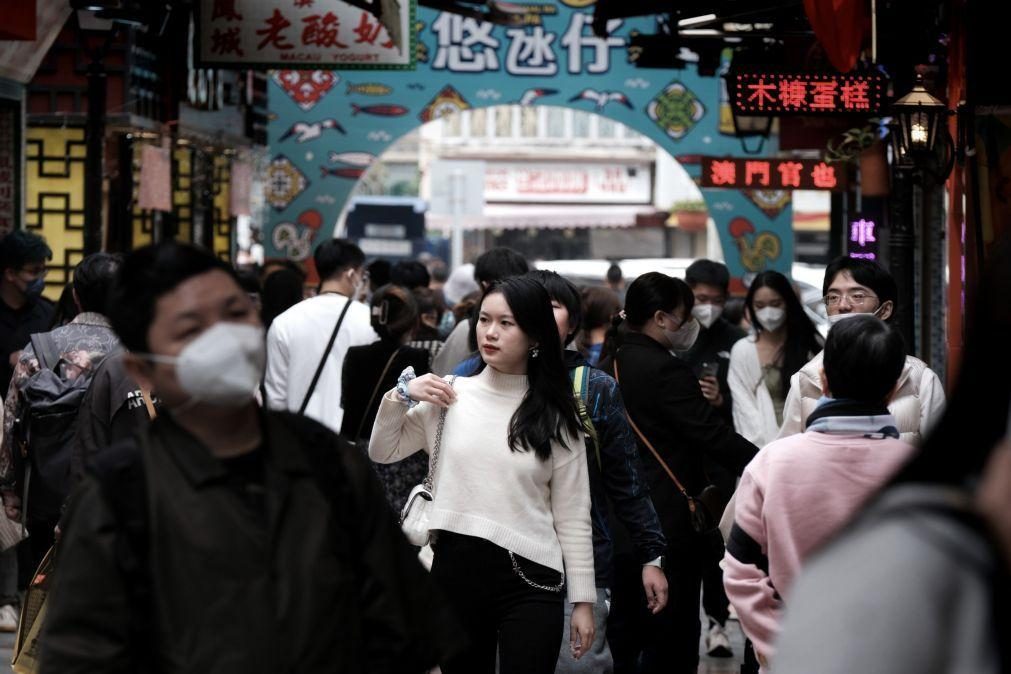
(795, 495)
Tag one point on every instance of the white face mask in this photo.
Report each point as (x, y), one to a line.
(707, 314)
(223, 366)
(771, 317)
(685, 336)
(832, 320)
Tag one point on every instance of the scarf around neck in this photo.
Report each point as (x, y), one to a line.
(853, 417)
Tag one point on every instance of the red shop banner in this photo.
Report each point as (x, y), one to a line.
(771, 174)
(761, 92)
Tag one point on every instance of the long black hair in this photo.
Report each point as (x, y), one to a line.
(548, 410)
(648, 294)
(801, 336)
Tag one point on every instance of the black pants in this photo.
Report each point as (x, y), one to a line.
(500, 611)
(34, 548)
(714, 597)
(668, 642)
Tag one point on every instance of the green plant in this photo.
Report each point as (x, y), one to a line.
(850, 144)
(689, 206)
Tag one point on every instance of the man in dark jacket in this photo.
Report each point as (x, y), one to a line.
(710, 360)
(227, 539)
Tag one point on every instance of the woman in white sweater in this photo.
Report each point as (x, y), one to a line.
(511, 512)
(761, 365)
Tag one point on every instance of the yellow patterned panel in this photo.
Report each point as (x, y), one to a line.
(143, 220)
(182, 194)
(54, 204)
(222, 208)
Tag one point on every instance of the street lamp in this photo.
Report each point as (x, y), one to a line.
(920, 139)
(751, 126)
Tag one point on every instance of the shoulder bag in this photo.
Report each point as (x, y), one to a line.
(706, 508)
(414, 518)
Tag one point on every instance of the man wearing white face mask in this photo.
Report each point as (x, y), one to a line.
(853, 287)
(263, 525)
(710, 360)
(307, 344)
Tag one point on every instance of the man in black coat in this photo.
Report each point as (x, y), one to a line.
(709, 358)
(225, 539)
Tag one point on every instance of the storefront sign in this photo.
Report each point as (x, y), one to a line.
(560, 182)
(10, 182)
(754, 92)
(862, 241)
(304, 34)
(771, 174)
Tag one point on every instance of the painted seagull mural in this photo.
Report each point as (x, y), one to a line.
(306, 131)
(531, 95)
(602, 98)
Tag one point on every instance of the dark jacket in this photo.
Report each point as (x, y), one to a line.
(663, 397)
(16, 329)
(317, 579)
(619, 477)
(362, 367)
(113, 410)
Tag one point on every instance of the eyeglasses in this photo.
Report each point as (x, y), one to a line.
(856, 299)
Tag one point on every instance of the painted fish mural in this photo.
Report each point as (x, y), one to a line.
(353, 158)
(352, 173)
(369, 89)
(380, 110)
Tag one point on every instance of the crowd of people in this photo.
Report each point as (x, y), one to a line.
(222, 462)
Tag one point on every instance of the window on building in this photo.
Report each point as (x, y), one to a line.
(528, 121)
(503, 122)
(607, 128)
(555, 127)
(479, 123)
(581, 124)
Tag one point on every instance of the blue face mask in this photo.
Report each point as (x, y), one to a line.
(34, 289)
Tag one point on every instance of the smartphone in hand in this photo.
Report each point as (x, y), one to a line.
(708, 369)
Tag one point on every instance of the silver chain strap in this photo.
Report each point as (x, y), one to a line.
(536, 586)
(433, 461)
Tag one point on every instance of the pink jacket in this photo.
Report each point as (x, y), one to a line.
(795, 495)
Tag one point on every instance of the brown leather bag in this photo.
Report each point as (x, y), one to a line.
(706, 509)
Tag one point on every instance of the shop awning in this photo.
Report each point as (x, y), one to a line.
(538, 216)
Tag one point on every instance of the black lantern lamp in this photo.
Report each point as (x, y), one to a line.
(752, 126)
(920, 139)
(920, 116)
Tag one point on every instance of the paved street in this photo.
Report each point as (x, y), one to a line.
(6, 644)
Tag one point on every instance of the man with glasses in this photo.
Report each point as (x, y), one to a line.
(853, 287)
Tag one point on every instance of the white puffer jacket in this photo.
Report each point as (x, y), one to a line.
(917, 404)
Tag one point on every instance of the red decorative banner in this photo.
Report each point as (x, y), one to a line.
(771, 174)
(756, 92)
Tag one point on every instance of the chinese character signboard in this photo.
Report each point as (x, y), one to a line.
(862, 241)
(568, 183)
(304, 34)
(771, 174)
(753, 92)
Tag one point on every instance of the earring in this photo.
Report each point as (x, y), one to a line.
(534, 352)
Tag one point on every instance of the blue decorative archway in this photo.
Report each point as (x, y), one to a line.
(327, 127)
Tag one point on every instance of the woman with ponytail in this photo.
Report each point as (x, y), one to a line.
(511, 508)
(676, 428)
(761, 365)
(371, 370)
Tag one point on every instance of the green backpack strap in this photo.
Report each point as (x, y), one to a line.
(580, 379)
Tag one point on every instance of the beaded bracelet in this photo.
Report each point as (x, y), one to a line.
(405, 378)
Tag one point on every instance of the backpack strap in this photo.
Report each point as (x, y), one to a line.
(580, 383)
(45, 350)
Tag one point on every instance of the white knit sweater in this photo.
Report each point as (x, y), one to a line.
(537, 509)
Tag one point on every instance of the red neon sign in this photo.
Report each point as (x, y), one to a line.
(755, 92)
(771, 174)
